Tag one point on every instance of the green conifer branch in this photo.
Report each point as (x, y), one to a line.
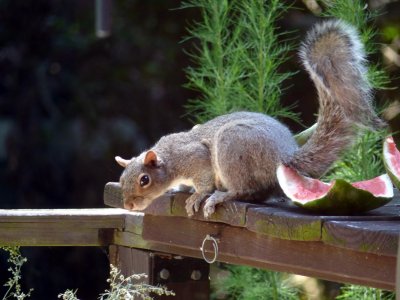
(237, 58)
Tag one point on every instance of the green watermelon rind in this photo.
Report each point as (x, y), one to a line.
(395, 180)
(343, 198)
(303, 137)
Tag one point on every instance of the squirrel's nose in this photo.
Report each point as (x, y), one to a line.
(129, 205)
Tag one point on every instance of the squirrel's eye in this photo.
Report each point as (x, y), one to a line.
(144, 180)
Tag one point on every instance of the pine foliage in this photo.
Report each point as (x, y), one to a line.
(246, 283)
(237, 57)
(355, 292)
(363, 161)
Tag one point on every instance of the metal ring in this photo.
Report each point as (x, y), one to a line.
(215, 245)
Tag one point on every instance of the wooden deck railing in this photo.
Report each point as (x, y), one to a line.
(166, 244)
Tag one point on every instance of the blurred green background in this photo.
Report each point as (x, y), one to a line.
(70, 102)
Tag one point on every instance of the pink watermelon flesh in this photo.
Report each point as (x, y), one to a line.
(376, 186)
(393, 156)
(304, 189)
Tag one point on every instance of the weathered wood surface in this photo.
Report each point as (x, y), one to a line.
(380, 237)
(398, 273)
(276, 235)
(131, 261)
(279, 218)
(60, 227)
(239, 246)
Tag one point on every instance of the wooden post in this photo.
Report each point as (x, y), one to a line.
(187, 277)
(103, 18)
(398, 272)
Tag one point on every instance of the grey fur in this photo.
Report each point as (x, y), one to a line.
(235, 156)
(334, 57)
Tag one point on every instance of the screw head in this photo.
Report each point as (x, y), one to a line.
(164, 274)
(196, 275)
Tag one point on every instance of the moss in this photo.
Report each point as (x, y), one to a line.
(296, 231)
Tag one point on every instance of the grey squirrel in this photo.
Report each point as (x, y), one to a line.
(235, 156)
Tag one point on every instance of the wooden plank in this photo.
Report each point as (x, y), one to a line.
(398, 273)
(131, 261)
(161, 206)
(103, 18)
(386, 281)
(280, 218)
(55, 237)
(61, 227)
(93, 217)
(134, 222)
(232, 212)
(283, 220)
(380, 237)
(113, 195)
(240, 246)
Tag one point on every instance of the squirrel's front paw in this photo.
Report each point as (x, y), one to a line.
(216, 198)
(209, 208)
(193, 203)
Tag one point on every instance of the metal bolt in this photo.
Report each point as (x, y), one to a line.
(196, 275)
(164, 274)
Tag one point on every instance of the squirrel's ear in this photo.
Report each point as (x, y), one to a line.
(122, 162)
(151, 159)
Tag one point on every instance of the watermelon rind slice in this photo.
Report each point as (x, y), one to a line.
(303, 137)
(391, 159)
(337, 197)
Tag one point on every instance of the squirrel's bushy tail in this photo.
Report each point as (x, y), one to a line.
(334, 57)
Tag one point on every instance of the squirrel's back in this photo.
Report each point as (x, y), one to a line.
(334, 56)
